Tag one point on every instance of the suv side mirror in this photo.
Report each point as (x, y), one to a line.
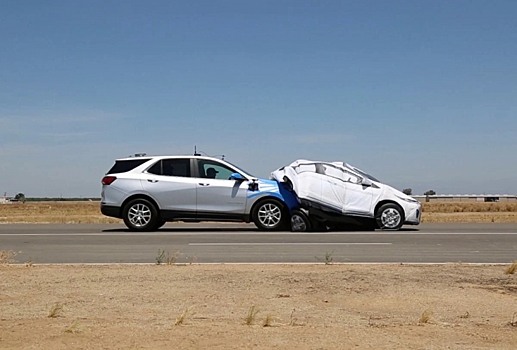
(237, 177)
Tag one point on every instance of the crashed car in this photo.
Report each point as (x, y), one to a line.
(337, 195)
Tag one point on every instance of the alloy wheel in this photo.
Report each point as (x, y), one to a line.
(139, 215)
(270, 215)
(298, 223)
(390, 218)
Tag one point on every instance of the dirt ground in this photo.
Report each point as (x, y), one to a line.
(314, 306)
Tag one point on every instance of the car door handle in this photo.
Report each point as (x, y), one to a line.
(202, 184)
(153, 180)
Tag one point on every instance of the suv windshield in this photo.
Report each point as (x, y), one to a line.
(243, 171)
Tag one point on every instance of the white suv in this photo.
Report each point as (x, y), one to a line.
(147, 191)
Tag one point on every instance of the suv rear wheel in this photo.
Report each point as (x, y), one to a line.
(140, 215)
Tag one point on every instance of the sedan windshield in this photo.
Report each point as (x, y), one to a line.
(363, 173)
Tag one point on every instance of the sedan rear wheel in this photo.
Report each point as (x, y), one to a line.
(299, 221)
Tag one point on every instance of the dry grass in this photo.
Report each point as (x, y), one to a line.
(465, 217)
(181, 319)
(268, 321)
(469, 207)
(252, 314)
(513, 322)
(55, 310)
(475, 212)
(511, 269)
(89, 212)
(426, 316)
(6, 257)
(73, 328)
(54, 212)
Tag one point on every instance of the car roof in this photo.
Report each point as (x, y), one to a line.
(157, 157)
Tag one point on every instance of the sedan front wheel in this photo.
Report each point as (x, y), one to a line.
(390, 217)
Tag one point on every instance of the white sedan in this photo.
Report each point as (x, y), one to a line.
(336, 193)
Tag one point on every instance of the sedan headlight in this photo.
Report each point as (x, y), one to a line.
(409, 200)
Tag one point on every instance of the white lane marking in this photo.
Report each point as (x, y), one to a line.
(254, 233)
(281, 244)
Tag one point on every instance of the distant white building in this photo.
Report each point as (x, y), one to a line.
(5, 200)
(467, 198)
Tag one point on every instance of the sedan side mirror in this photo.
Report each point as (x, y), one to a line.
(366, 182)
(237, 177)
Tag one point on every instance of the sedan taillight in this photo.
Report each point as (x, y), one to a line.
(108, 180)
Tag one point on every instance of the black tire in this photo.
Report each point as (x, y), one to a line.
(300, 221)
(390, 217)
(269, 215)
(140, 215)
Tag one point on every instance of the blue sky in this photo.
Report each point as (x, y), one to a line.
(421, 94)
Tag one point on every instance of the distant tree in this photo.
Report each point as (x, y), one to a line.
(430, 193)
(20, 197)
(407, 191)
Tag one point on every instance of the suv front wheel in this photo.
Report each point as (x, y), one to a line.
(140, 215)
(269, 215)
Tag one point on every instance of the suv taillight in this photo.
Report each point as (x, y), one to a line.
(108, 180)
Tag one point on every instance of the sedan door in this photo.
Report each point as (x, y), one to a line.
(359, 198)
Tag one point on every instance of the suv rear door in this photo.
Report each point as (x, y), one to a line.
(170, 183)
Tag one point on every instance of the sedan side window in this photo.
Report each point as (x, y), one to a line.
(212, 170)
(302, 168)
(351, 178)
(171, 167)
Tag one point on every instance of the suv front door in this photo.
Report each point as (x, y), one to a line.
(218, 196)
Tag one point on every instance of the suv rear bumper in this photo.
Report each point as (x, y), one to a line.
(112, 211)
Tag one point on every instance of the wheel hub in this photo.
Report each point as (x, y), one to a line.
(298, 224)
(139, 215)
(269, 215)
(390, 218)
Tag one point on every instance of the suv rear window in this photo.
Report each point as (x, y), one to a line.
(123, 166)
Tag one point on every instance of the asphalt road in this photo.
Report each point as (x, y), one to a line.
(242, 243)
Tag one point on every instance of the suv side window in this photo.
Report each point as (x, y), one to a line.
(213, 170)
(171, 167)
(123, 166)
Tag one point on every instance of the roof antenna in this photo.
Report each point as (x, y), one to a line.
(195, 151)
